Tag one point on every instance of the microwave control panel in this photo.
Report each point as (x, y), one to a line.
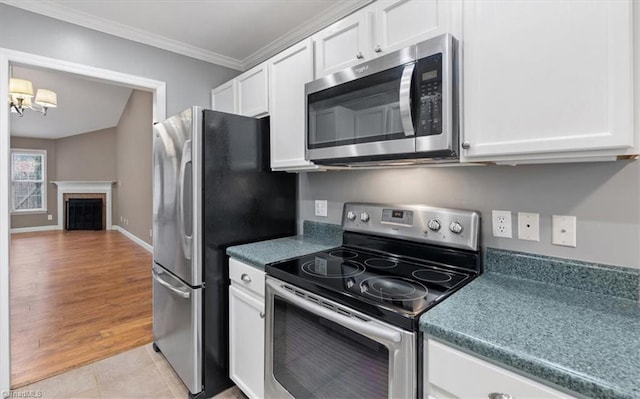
(429, 95)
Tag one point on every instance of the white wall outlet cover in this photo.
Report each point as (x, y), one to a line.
(321, 208)
(563, 230)
(501, 224)
(528, 226)
(49, 217)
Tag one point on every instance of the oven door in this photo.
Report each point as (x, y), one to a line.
(317, 348)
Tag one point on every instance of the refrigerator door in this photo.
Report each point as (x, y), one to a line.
(177, 326)
(176, 176)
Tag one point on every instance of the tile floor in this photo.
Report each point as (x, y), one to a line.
(138, 373)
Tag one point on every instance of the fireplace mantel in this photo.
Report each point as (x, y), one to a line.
(84, 187)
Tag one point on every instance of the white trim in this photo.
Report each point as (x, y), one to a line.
(83, 187)
(158, 88)
(133, 238)
(69, 14)
(34, 228)
(7, 56)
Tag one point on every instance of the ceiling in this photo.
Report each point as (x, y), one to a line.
(83, 105)
(234, 33)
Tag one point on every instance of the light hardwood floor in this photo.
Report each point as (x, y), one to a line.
(76, 297)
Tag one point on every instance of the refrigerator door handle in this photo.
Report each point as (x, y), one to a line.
(185, 239)
(171, 288)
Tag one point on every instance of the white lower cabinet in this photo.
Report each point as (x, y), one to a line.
(450, 373)
(246, 328)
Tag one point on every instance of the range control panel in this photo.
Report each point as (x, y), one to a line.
(440, 226)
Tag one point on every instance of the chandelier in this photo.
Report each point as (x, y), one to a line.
(21, 93)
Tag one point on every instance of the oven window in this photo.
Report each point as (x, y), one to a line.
(361, 111)
(317, 358)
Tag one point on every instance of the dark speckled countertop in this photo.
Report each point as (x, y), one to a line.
(317, 237)
(581, 338)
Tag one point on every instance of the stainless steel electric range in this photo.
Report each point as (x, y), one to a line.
(343, 323)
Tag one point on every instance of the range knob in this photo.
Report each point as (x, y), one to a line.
(434, 225)
(351, 215)
(455, 227)
(364, 216)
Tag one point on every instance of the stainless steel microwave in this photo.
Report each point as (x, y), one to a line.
(398, 108)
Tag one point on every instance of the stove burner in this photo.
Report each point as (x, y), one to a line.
(330, 268)
(393, 288)
(432, 276)
(344, 254)
(380, 263)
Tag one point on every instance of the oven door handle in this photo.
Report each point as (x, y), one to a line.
(405, 100)
(360, 326)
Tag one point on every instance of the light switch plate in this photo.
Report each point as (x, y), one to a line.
(563, 230)
(528, 226)
(321, 208)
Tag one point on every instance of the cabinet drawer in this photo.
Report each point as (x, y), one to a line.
(447, 367)
(247, 276)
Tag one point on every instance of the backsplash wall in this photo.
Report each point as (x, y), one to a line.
(604, 196)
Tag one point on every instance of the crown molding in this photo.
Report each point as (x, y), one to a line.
(340, 10)
(67, 14)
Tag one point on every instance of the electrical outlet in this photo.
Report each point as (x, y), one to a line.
(501, 221)
(151, 233)
(563, 230)
(49, 217)
(121, 219)
(321, 208)
(528, 226)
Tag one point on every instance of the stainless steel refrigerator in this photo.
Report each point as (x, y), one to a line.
(212, 188)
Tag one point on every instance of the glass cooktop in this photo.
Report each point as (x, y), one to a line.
(403, 286)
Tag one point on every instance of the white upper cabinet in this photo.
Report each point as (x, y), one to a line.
(223, 98)
(343, 44)
(547, 79)
(253, 92)
(378, 29)
(400, 23)
(247, 94)
(288, 73)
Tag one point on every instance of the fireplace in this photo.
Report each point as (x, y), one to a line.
(83, 214)
(68, 190)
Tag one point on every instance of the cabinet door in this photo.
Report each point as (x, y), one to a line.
(288, 73)
(400, 23)
(223, 98)
(546, 77)
(446, 365)
(343, 44)
(246, 342)
(253, 88)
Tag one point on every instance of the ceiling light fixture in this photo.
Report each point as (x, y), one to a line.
(21, 93)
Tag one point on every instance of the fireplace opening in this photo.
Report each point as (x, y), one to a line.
(84, 214)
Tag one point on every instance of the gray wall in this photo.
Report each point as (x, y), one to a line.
(605, 197)
(134, 161)
(189, 81)
(39, 219)
(87, 157)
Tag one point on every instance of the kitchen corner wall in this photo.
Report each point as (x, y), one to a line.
(605, 197)
(133, 192)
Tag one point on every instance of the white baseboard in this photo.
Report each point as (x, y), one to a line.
(133, 238)
(34, 228)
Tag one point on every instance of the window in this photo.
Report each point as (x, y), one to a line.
(28, 180)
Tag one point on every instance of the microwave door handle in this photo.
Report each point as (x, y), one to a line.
(359, 326)
(405, 100)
